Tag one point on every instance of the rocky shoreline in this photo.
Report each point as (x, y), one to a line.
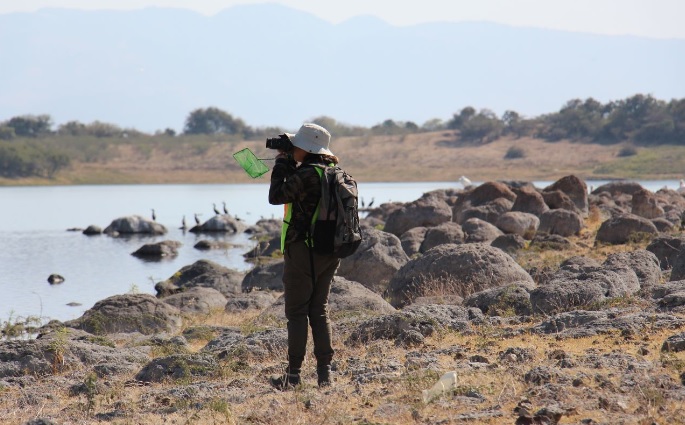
(552, 305)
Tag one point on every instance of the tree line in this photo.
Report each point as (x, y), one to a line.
(639, 120)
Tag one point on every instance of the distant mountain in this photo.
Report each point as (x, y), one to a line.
(272, 65)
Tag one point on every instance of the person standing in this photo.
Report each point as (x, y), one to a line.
(307, 275)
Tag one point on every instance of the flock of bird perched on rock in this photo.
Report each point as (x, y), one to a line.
(184, 225)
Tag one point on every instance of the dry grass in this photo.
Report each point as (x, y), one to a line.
(241, 395)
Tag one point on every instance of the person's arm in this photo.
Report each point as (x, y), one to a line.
(286, 185)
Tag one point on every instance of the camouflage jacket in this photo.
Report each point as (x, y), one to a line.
(300, 186)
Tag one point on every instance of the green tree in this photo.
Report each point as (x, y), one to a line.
(30, 125)
(458, 120)
(213, 121)
(483, 127)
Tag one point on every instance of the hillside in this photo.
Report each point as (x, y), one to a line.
(417, 157)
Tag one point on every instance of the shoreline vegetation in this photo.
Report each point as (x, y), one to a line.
(431, 156)
(639, 137)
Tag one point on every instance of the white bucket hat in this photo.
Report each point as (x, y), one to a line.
(312, 138)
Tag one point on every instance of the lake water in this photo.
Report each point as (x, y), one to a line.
(34, 241)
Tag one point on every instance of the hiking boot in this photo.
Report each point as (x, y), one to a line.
(324, 375)
(285, 381)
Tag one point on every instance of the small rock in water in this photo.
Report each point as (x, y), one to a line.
(74, 304)
(55, 278)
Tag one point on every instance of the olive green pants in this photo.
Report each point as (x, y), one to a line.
(306, 303)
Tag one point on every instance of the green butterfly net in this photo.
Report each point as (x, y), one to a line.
(252, 165)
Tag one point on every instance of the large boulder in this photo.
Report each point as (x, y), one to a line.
(557, 199)
(509, 300)
(642, 262)
(134, 224)
(129, 313)
(449, 232)
(570, 289)
(266, 276)
(378, 257)
(220, 223)
(429, 210)
(618, 187)
(666, 249)
(575, 189)
(489, 212)
(258, 346)
(645, 204)
(177, 367)
(158, 250)
(529, 201)
(518, 223)
(254, 300)
(478, 230)
(203, 273)
(561, 222)
(412, 240)
(623, 228)
(197, 300)
(455, 270)
(65, 349)
(348, 300)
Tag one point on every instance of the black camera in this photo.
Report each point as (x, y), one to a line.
(281, 143)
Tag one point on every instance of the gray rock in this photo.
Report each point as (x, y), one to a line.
(573, 187)
(619, 187)
(206, 245)
(558, 200)
(449, 232)
(551, 242)
(489, 212)
(528, 200)
(509, 243)
(179, 367)
(412, 240)
(55, 279)
(567, 290)
(645, 204)
(642, 262)
(268, 247)
(663, 225)
(410, 326)
(477, 230)
(426, 211)
(197, 300)
(623, 228)
(582, 323)
(254, 300)
(560, 222)
(376, 260)
(92, 230)
(256, 346)
(224, 223)
(40, 421)
(129, 313)
(158, 250)
(267, 276)
(678, 271)
(347, 300)
(455, 270)
(202, 273)
(519, 223)
(507, 300)
(579, 264)
(135, 224)
(674, 343)
(61, 350)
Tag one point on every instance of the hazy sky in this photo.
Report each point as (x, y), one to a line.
(653, 18)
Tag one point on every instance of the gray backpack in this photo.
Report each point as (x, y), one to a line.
(336, 231)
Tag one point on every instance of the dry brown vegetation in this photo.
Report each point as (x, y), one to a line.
(436, 156)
